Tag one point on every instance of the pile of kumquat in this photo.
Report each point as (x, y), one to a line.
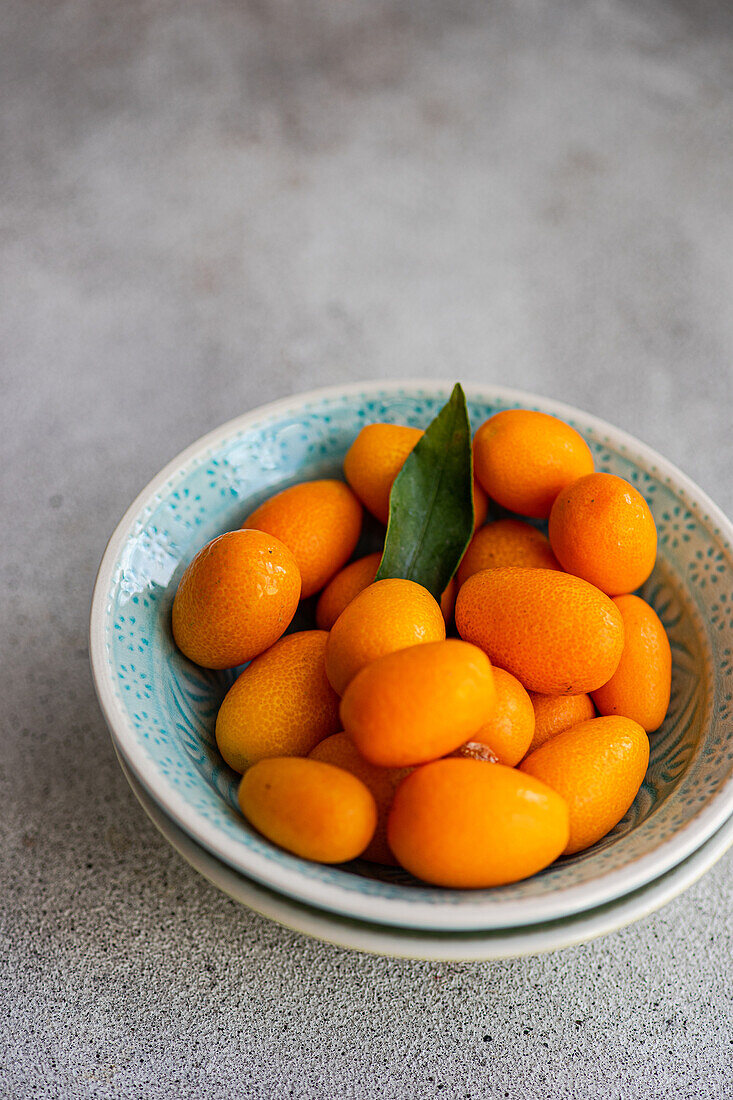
(476, 698)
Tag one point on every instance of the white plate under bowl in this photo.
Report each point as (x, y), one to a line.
(161, 709)
(534, 939)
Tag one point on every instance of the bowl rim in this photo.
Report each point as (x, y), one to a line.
(428, 915)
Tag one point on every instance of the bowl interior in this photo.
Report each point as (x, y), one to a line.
(165, 707)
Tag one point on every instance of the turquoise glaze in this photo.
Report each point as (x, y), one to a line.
(161, 708)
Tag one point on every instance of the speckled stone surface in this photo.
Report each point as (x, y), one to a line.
(206, 206)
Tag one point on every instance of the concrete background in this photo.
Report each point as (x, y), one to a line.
(209, 205)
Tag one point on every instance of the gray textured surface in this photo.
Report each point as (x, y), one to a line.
(208, 205)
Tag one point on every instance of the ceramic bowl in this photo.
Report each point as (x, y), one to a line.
(161, 709)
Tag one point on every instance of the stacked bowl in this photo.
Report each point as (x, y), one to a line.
(161, 709)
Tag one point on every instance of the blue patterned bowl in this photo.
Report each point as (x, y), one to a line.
(161, 709)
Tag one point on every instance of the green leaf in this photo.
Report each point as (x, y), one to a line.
(431, 504)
